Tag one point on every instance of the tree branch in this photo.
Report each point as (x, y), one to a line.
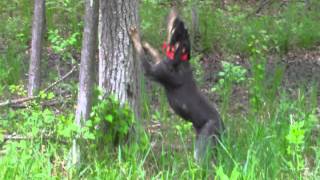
(63, 78)
(262, 5)
(22, 100)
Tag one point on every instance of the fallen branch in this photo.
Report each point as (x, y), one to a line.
(44, 104)
(15, 137)
(60, 80)
(17, 101)
(263, 4)
(22, 100)
(19, 137)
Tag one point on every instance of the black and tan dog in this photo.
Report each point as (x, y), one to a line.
(175, 75)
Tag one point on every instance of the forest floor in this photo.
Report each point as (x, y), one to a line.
(301, 68)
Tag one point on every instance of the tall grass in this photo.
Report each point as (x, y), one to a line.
(277, 142)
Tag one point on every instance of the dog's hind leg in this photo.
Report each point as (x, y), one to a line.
(206, 140)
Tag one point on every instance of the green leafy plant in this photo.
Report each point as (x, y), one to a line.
(296, 144)
(184, 128)
(258, 46)
(197, 68)
(17, 89)
(40, 132)
(62, 12)
(235, 174)
(109, 121)
(61, 45)
(46, 96)
(11, 66)
(229, 76)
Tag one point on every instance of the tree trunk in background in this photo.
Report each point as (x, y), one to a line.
(307, 4)
(89, 47)
(36, 47)
(118, 69)
(196, 36)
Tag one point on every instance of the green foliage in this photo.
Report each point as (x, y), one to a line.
(229, 76)
(35, 122)
(109, 121)
(44, 138)
(41, 132)
(253, 147)
(231, 30)
(231, 73)
(198, 71)
(299, 131)
(18, 89)
(46, 96)
(272, 142)
(153, 24)
(184, 129)
(235, 174)
(23, 161)
(62, 12)
(295, 148)
(11, 67)
(14, 35)
(62, 45)
(258, 48)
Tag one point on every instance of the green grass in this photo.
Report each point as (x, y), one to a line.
(255, 146)
(230, 31)
(275, 139)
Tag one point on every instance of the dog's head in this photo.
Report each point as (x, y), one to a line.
(177, 47)
(180, 40)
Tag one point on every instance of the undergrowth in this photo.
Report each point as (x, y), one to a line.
(289, 26)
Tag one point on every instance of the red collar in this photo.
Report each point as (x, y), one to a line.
(169, 50)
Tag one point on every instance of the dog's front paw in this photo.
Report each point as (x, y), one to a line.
(145, 44)
(133, 32)
(135, 37)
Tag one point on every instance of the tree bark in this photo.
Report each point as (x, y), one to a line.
(118, 68)
(196, 36)
(89, 47)
(36, 47)
(307, 4)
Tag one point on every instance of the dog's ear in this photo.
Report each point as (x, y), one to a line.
(171, 18)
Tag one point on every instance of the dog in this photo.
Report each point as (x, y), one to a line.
(174, 73)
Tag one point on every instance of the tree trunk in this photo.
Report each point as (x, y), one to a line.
(89, 47)
(36, 47)
(196, 36)
(307, 4)
(118, 68)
